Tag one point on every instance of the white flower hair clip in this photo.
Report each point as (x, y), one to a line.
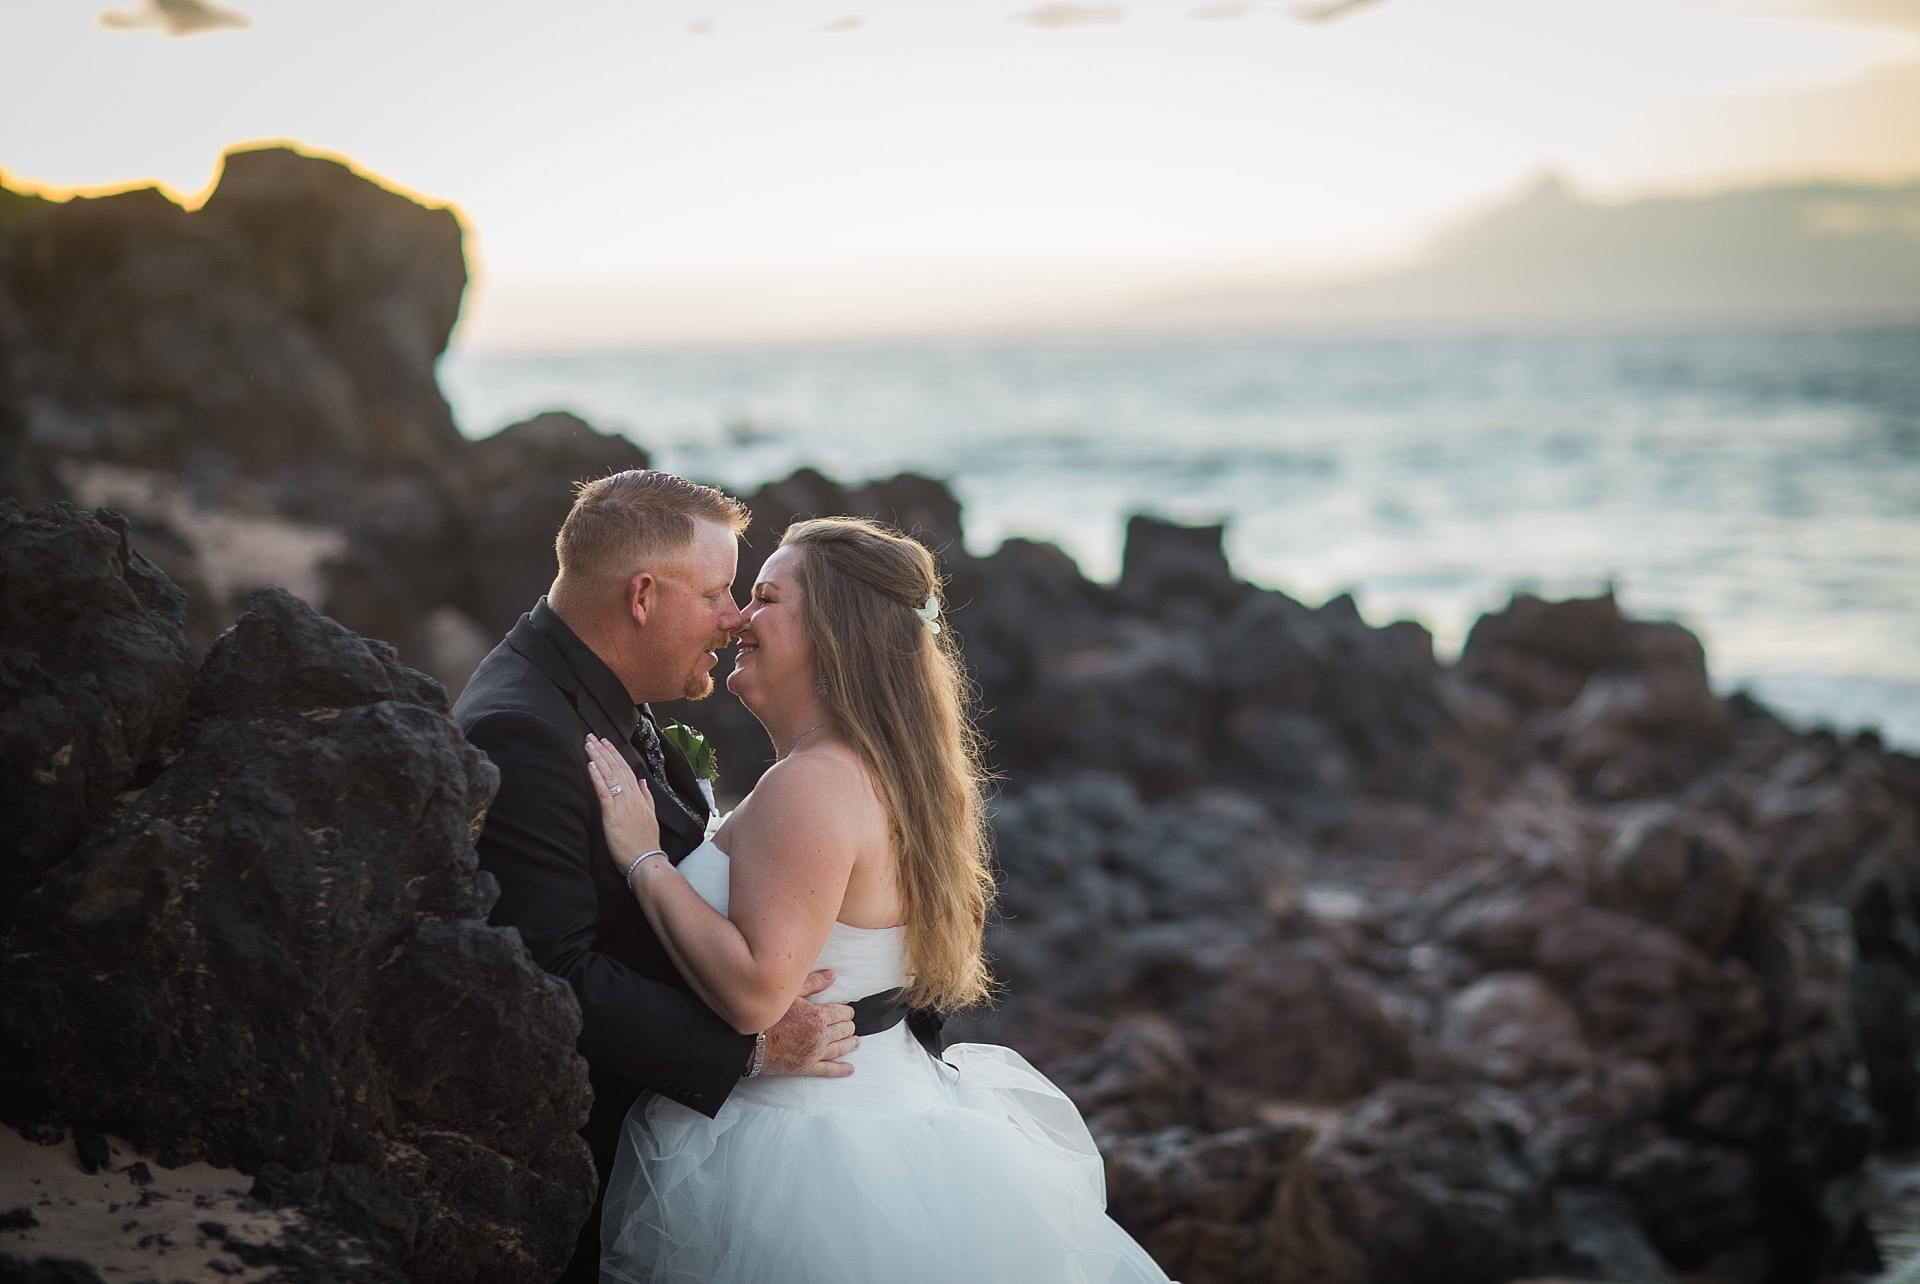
(927, 612)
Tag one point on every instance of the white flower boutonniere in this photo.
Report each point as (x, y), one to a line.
(706, 767)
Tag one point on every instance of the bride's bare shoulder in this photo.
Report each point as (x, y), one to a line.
(825, 789)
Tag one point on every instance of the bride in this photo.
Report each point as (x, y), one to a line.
(862, 849)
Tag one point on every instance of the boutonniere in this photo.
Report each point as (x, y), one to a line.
(699, 755)
(693, 747)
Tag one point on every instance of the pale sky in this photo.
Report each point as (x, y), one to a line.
(649, 170)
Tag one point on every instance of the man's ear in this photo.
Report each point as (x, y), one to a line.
(643, 592)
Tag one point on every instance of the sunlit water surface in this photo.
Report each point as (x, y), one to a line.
(1762, 486)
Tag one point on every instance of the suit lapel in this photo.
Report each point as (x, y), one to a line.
(534, 647)
(539, 651)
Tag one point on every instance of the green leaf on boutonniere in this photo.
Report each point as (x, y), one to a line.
(694, 747)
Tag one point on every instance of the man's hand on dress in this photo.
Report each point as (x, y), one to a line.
(812, 1037)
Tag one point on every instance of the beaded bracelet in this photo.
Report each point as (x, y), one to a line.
(636, 863)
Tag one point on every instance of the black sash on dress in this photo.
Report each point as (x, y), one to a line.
(888, 1008)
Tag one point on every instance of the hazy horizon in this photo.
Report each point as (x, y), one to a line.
(702, 171)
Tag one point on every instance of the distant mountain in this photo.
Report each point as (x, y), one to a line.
(1808, 249)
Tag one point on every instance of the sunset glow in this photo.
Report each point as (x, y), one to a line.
(746, 168)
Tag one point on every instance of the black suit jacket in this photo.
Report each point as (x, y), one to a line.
(529, 707)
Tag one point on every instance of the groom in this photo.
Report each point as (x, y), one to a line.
(642, 603)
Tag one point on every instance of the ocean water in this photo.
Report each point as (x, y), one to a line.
(1760, 485)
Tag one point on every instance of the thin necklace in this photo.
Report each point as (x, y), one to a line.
(802, 736)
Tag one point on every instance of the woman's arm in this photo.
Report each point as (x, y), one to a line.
(747, 967)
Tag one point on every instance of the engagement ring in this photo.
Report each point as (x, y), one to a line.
(615, 791)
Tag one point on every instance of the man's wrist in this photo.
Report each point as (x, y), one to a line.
(758, 1061)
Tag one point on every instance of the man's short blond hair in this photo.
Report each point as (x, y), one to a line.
(625, 522)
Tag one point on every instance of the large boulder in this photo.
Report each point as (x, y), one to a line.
(1539, 654)
(1418, 1184)
(290, 323)
(1166, 568)
(252, 383)
(1513, 1028)
(274, 958)
(1687, 872)
(1202, 1203)
(1648, 726)
(519, 486)
(94, 672)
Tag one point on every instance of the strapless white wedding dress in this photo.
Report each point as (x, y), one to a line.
(976, 1170)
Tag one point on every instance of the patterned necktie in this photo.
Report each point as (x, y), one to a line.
(646, 739)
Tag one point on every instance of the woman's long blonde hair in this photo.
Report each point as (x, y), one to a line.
(900, 695)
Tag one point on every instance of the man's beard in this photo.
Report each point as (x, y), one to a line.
(700, 681)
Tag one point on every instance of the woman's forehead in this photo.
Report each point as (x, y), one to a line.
(777, 569)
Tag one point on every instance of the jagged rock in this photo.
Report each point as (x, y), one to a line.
(275, 958)
(1502, 929)
(1540, 654)
(1167, 568)
(1599, 1238)
(1513, 1028)
(1172, 892)
(1418, 1184)
(1884, 990)
(94, 672)
(921, 506)
(1295, 1024)
(1172, 690)
(1238, 685)
(1689, 874)
(1632, 984)
(1646, 729)
(1090, 847)
(291, 321)
(1141, 1078)
(273, 351)
(1203, 1204)
(1693, 1197)
(518, 507)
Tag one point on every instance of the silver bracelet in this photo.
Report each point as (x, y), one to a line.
(759, 1056)
(636, 863)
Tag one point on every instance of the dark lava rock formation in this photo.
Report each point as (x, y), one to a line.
(267, 949)
(252, 385)
(1610, 1006)
(94, 672)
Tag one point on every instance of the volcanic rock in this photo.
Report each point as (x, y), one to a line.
(518, 508)
(94, 671)
(1419, 1184)
(273, 957)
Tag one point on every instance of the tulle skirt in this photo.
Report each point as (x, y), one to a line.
(978, 1170)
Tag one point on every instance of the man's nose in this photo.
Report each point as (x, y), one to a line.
(733, 619)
